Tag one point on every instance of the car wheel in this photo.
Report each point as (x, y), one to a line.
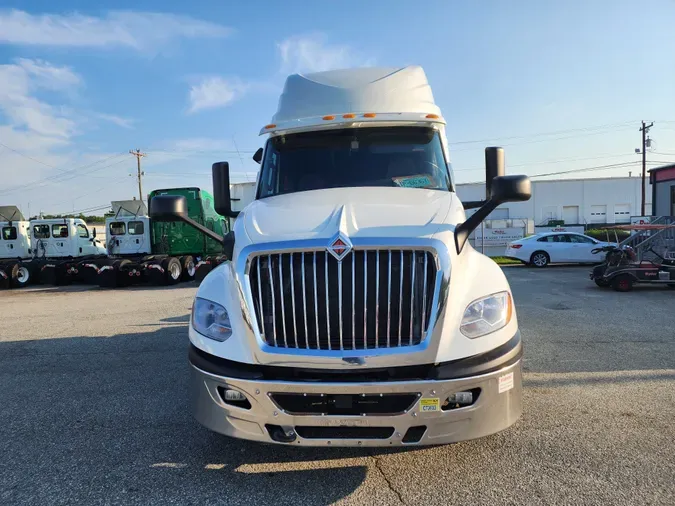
(540, 259)
(623, 283)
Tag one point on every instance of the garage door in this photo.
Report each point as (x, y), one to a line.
(571, 215)
(598, 214)
(622, 213)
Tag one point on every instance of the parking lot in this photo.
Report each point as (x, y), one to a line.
(93, 410)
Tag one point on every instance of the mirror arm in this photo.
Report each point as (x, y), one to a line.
(207, 232)
(473, 204)
(463, 230)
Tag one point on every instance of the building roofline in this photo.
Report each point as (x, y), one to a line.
(663, 167)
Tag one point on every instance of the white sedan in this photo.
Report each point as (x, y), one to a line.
(553, 247)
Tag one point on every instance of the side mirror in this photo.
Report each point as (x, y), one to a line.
(168, 208)
(500, 189)
(510, 189)
(93, 233)
(257, 156)
(220, 173)
(494, 167)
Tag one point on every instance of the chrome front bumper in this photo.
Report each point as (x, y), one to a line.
(497, 407)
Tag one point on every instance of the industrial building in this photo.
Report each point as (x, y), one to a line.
(662, 180)
(573, 201)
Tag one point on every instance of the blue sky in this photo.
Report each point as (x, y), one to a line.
(561, 85)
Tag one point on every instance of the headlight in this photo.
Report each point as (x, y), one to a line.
(487, 315)
(211, 320)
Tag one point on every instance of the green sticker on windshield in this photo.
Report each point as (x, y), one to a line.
(419, 181)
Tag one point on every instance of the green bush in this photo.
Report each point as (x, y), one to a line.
(601, 234)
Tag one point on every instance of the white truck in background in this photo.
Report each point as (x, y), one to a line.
(353, 311)
(31, 249)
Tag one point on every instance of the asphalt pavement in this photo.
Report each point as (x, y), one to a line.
(93, 410)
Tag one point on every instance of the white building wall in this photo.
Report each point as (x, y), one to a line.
(242, 194)
(557, 199)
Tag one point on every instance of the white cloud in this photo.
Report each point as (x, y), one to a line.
(137, 30)
(48, 76)
(19, 80)
(117, 120)
(311, 53)
(214, 92)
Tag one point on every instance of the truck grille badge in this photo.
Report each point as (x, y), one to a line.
(339, 247)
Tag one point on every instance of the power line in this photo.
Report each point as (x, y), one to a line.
(26, 156)
(564, 160)
(586, 169)
(55, 177)
(584, 129)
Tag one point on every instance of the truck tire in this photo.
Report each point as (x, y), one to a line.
(173, 270)
(540, 259)
(19, 275)
(623, 283)
(189, 268)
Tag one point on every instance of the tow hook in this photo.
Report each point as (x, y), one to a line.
(281, 435)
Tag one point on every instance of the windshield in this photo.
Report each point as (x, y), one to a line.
(407, 157)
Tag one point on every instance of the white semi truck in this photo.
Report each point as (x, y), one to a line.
(32, 249)
(137, 249)
(353, 310)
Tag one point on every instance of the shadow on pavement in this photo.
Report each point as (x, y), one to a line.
(105, 420)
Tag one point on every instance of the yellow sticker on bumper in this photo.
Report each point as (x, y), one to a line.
(432, 404)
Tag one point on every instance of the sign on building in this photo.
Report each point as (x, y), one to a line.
(497, 236)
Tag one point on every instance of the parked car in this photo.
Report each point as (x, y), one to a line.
(556, 247)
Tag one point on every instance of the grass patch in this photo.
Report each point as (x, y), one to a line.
(506, 261)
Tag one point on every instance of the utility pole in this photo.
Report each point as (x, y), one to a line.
(138, 156)
(644, 130)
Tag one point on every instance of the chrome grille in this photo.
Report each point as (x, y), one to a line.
(371, 299)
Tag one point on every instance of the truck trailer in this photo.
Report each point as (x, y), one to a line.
(353, 311)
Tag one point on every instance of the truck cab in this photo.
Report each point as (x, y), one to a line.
(63, 238)
(128, 230)
(14, 234)
(353, 311)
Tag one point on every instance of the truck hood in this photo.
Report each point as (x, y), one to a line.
(356, 212)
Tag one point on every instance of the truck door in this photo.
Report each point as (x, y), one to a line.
(60, 241)
(138, 239)
(9, 244)
(85, 245)
(41, 240)
(116, 237)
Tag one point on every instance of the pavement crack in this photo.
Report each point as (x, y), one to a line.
(378, 466)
